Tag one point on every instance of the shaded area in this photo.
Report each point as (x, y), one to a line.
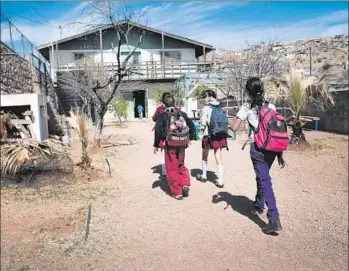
(211, 176)
(162, 183)
(240, 204)
(43, 170)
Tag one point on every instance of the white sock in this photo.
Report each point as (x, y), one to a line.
(220, 174)
(163, 168)
(204, 169)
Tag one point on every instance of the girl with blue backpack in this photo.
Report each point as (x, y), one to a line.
(215, 123)
(268, 139)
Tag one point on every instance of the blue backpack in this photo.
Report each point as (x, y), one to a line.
(218, 126)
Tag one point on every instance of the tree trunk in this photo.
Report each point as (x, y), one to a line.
(297, 133)
(99, 126)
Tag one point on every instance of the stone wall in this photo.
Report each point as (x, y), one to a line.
(334, 119)
(18, 76)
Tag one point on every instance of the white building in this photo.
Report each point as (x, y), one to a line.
(161, 58)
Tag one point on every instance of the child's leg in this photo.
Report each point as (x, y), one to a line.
(259, 199)
(163, 168)
(172, 168)
(220, 167)
(183, 170)
(261, 163)
(205, 153)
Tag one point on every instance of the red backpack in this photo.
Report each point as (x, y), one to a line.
(271, 134)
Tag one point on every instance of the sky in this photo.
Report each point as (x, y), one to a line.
(225, 25)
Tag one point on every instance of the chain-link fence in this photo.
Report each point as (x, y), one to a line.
(14, 39)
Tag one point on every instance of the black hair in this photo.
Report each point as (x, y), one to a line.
(164, 95)
(255, 90)
(210, 93)
(169, 100)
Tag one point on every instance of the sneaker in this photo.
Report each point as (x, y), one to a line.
(163, 177)
(177, 197)
(219, 185)
(186, 191)
(200, 178)
(256, 211)
(273, 226)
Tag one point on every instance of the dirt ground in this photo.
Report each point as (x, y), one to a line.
(136, 225)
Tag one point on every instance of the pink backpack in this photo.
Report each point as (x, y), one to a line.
(271, 134)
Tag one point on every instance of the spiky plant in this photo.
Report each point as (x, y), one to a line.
(14, 155)
(82, 129)
(296, 91)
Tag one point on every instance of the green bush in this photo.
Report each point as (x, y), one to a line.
(121, 107)
(160, 90)
(198, 93)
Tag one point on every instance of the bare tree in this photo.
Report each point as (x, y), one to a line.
(95, 83)
(260, 60)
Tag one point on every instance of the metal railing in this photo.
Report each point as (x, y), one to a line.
(14, 39)
(149, 69)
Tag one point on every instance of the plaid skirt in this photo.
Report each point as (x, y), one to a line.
(212, 143)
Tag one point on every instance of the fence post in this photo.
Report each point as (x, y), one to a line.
(9, 24)
(23, 45)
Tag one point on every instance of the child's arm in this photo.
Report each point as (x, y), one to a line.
(158, 131)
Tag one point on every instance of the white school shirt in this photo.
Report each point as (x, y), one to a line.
(246, 112)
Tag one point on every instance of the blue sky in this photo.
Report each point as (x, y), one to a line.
(221, 24)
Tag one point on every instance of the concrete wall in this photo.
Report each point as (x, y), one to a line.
(334, 119)
(37, 103)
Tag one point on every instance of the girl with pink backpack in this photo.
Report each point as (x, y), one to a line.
(266, 144)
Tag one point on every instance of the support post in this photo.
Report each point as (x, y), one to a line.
(163, 52)
(316, 124)
(204, 51)
(310, 62)
(9, 24)
(53, 68)
(22, 39)
(101, 45)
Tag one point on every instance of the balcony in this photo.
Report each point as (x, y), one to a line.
(151, 70)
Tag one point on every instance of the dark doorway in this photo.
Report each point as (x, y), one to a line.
(139, 98)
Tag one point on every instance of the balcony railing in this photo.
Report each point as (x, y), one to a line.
(151, 70)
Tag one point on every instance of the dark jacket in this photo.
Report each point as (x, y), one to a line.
(158, 111)
(160, 128)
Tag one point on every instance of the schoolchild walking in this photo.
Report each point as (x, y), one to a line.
(176, 130)
(160, 109)
(268, 139)
(215, 123)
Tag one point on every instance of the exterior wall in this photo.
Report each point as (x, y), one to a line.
(151, 44)
(334, 119)
(38, 104)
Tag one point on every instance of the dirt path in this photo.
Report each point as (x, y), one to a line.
(135, 225)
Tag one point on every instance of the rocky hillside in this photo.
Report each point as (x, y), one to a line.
(318, 56)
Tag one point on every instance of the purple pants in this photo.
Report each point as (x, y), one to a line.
(262, 161)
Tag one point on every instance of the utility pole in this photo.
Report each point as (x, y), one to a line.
(310, 61)
(60, 31)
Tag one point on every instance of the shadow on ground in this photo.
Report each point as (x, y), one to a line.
(211, 176)
(240, 204)
(162, 183)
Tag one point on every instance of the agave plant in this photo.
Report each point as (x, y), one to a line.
(296, 91)
(14, 155)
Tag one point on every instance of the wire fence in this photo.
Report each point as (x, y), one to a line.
(19, 43)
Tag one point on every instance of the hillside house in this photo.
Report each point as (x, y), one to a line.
(160, 59)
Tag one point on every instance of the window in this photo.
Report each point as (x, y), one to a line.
(136, 56)
(78, 56)
(171, 56)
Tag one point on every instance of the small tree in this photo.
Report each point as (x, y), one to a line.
(297, 92)
(160, 90)
(92, 82)
(121, 107)
(198, 93)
